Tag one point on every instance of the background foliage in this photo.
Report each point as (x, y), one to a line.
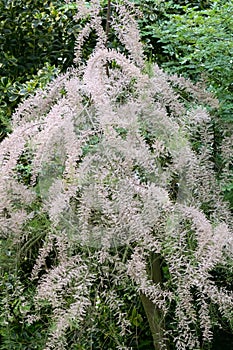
(197, 43)
(36, 37)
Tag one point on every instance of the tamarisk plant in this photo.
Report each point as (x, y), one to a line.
(121, 162)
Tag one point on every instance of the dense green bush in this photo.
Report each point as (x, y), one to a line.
(154, 14)
(34, 36)
(199, 45)
(33, 33)
(194, 39)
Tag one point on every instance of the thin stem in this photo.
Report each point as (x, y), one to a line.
(107, 30)
(108, 19)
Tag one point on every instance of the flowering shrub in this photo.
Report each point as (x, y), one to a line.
(120, 162)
